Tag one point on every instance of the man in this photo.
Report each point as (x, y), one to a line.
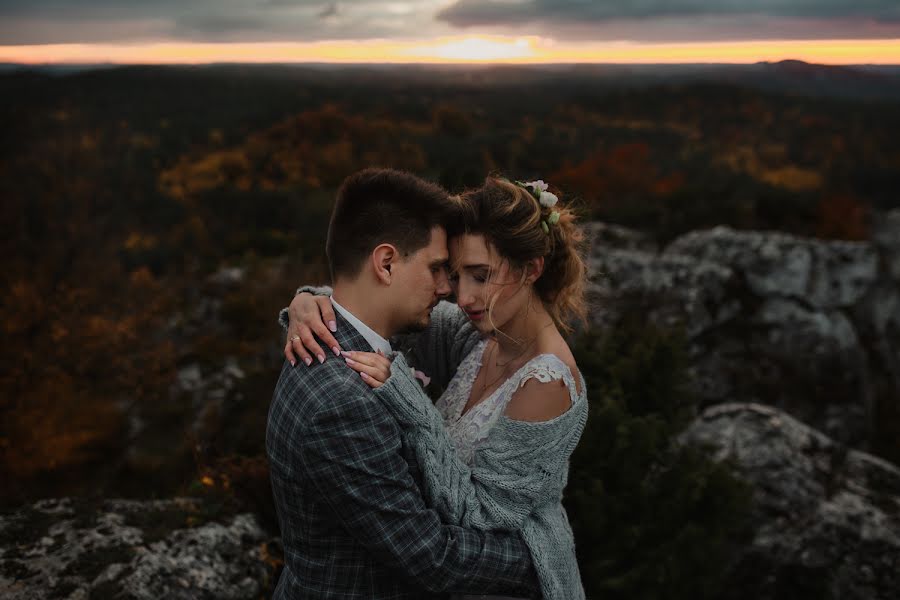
(346, 488)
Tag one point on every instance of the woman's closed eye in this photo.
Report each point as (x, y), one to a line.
(479, 275)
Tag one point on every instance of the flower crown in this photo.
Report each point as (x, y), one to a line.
(538, 189)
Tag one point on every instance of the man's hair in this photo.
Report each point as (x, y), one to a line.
(376, 206)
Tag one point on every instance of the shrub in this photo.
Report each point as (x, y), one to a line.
(651, 519)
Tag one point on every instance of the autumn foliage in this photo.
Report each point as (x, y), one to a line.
(122, 210)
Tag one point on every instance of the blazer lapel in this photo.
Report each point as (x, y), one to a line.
(347, 335)
(351, 339)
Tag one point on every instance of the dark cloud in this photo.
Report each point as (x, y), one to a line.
(679, 20)
(85, 21)
(134, 21)
(329, 11)
(471, 13)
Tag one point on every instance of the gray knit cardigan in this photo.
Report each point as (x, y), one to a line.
(520, 469)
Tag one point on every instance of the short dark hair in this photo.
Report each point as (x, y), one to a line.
(376, 206)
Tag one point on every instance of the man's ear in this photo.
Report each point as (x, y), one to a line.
(383, 256)
(534, 268)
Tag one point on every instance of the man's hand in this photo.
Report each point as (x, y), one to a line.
(308, 315)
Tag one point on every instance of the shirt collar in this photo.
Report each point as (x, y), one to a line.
(376, 341)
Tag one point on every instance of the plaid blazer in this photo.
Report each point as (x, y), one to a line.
(347, 491)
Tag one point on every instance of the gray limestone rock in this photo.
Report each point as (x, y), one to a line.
(886, 237)
(808, 363)
(132, 549)
(676, 290)
(810, 326)
(822, 274)
(827, 519)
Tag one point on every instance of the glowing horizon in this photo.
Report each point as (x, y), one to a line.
(464, 49)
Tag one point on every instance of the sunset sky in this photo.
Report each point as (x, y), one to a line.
(525, 31)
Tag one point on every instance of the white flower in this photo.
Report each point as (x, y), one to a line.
(548, 199)
(538, 186)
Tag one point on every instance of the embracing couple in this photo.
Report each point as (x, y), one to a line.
(382, 492)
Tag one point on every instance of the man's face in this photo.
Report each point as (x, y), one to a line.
(421, 281)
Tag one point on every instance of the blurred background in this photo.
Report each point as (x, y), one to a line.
(167, 173)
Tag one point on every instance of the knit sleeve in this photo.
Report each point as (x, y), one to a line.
(283, 315)
(512, 474)
(440, 348)
(517, 482)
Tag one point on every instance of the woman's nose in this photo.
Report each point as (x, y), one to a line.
(463, 297)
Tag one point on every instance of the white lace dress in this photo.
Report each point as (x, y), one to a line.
(467, 431)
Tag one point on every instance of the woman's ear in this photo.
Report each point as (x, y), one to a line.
(383, 256)
(534, 268)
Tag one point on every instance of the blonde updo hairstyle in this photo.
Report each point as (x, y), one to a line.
(510, 219)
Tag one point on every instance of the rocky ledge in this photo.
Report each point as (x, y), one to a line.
(827, 518)
(809, 326)
(133, 549)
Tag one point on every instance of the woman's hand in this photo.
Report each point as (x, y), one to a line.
(374, 368)
(308, 315)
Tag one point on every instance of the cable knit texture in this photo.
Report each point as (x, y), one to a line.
(519, 470)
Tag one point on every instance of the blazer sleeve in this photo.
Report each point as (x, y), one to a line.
(351, 451)
(513, 470)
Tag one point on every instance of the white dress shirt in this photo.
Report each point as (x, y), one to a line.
(376, 341)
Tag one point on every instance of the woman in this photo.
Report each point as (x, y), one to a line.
(494, 449)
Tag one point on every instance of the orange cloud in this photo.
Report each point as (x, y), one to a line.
(463, 49)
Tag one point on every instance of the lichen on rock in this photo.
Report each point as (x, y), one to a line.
(133, 549)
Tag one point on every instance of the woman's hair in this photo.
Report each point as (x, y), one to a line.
(521, 229)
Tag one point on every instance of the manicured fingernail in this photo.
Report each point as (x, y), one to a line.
(346, 353)
(336, 350)
(363, 375)
(293, 363)
(321, 358)
(332, 326)
(308, 361)
(349, 361)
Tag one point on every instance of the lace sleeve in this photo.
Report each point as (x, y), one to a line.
(544, 371)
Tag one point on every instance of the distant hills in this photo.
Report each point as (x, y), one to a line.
(877, 82)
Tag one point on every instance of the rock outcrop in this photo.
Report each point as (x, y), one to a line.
(809, 326)
(133, 549)
(827, 518)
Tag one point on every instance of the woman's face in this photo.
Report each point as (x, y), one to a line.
(486, 287)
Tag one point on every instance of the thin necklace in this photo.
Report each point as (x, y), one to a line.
(525, 348)
(486, 384)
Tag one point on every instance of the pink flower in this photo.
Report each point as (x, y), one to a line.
(425, 379)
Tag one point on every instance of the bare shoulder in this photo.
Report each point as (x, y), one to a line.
(541, 401)
(538, 401)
